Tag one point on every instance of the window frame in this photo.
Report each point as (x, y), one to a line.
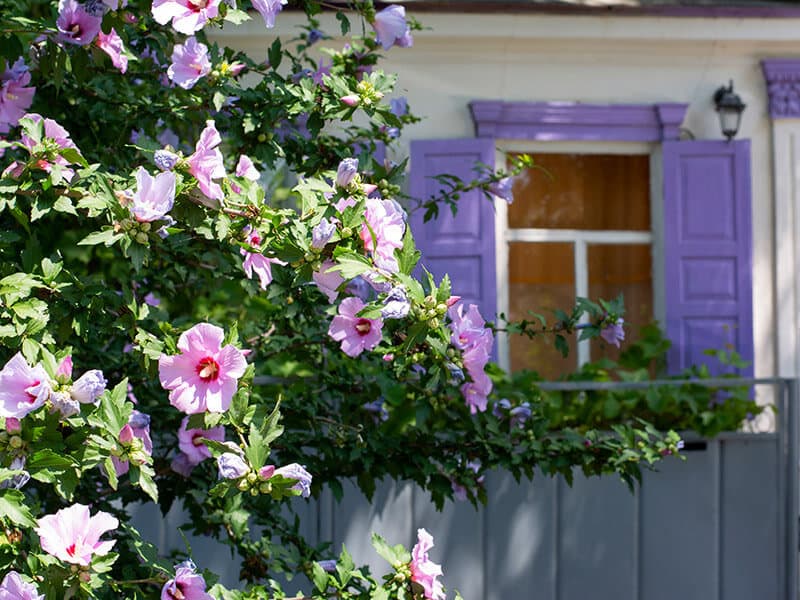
(579, 238)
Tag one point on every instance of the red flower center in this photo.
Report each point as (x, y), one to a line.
(32, 397)
(71, 549)
(197, 5)
(208, 369)
(363, 326)
(197, 439)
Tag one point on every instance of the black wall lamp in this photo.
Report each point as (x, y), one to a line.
(730, 107)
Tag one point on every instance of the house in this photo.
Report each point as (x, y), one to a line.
(615, 100)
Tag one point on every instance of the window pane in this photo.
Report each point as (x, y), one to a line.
(583, 191)
(621, 269)
(541, 278)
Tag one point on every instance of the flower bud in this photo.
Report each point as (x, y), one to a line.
(350, 100)
(13, 425)
(346, 172)
(15, 442)
(452, 300)
(266, 471)
(165, 159)
(126, 434)
(88, 388)
(141, 237)
(232, 466)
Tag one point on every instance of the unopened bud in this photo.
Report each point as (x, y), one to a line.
(15, 442)
(13, 425)
(242, 485)
(141, 237)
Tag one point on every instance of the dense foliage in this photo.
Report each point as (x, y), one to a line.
(209, 294)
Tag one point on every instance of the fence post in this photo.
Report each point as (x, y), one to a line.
(790, 428)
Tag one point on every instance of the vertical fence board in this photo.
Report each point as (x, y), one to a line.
(598, 539)
(354, 519)
(750, 550)
(521, 548)
(680, 528)
(459, 535)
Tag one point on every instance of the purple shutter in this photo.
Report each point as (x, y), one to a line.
(707, 251)
(461, 246)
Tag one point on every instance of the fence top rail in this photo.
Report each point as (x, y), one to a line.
(581, 386)
(589, 386)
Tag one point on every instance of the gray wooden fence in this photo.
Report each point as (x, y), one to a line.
(722, 525)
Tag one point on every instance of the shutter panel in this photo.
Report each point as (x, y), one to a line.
(707, 251)
(462, 246)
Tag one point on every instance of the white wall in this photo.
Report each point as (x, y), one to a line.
(529, 57)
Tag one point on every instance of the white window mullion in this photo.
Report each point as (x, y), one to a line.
(582, 290)
(501, 258)
(589, 237)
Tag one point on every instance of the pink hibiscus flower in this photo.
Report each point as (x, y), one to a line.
(112, 45)
(75, 24)
(245, 168)
(187, 16)
(56, 133)
(204, 376)
(470, 335)
(14, 588)
(15, 97)
(72, 535)
(391, 27)
(328, 281)
(387, 222)
(423, 571)
(190, 441)
(206, 162)
(186, 585)
(189, 63)
(255, 262)
(269, 9)
(154, 196)
(23, 388)
(355, 333)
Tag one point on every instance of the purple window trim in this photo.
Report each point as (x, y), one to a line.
(574, 121)
(783, 86)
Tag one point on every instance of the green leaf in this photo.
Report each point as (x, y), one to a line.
(319, 577)
(236, 16)
(351, 265)
(143, 476)
(408, 256)
(13, 508)
(257, 450)
(344, 22)
(107, 236)
(396, 556)
(275, 54)
(271, 429)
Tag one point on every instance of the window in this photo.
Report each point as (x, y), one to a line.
(580, 225)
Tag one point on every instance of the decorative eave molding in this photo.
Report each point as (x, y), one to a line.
(573, 121)
(783, 86)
